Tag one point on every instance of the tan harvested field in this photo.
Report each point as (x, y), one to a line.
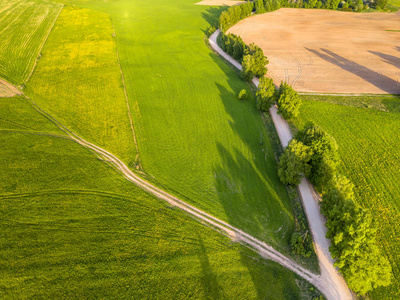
(7, 89)
(328, 51)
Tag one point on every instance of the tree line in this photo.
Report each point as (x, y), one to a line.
(250, 56)
(313, 153)
(239, 12)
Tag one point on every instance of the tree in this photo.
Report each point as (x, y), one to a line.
(293, 163)
(265, 94)
(353, 235)
(260, 7)
(247, 68)
(288, 102)
(259, 60)
(325, 155)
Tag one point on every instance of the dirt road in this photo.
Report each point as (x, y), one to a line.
(322, 282)
(7, 89)
(334, 285)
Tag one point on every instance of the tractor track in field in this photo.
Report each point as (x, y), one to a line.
(206, 219)
(330, 283)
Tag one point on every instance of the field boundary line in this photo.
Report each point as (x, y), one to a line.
(137, 157)
(41, 46)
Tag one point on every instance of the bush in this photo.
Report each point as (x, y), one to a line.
(288, 102)
(210, 31)
(300, 244)
(242, 95)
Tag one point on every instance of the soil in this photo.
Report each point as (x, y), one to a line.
(326, 51)
(7, 89)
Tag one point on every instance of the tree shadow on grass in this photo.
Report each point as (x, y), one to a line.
(384, 83)
(211, 14)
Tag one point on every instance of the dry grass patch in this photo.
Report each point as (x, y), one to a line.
(328, 51)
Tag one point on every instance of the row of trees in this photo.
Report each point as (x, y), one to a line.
(239, 12)
(286, 98)
(234, 14)
(314, 153)
(250, 56)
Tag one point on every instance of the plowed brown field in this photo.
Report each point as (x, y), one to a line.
(328, 51)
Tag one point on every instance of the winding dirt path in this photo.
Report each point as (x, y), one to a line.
(323, 283)
(334, 286)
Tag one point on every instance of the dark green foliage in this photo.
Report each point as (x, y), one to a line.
(381, 4)
(234, 14)
(325, 156)
(265, 94)
(210, 31)
(293, 163)
(353, 234)
(260, 7)
(259, 60)
(242, 95)
(300, 244)
(288, 102)
(247, 65)
(233, 45)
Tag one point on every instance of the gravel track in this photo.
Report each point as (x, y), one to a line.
(331, 283)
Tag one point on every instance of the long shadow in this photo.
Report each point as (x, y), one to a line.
(385, 83)
(389, 59)
(211, 15)
(209, 280)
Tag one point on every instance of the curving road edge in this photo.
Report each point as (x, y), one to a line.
(335, 286)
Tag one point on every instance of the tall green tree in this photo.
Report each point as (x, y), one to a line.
(265, 94)
(293, 163)
(353, 234)
(288, 102)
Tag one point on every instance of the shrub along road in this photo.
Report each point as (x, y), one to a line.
(335, 286)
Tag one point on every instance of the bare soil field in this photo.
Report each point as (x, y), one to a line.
(328, 51)
(7, 89)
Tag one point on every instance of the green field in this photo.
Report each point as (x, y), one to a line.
(195, 138)
(78, 80)
(72, 227)
(367, 132)
(25, 26)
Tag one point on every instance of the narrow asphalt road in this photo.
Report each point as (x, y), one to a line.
(335, 286)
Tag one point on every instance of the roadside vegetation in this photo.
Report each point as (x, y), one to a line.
(368, 146)
(25, 26)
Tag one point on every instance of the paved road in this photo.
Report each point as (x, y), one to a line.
(335, 287)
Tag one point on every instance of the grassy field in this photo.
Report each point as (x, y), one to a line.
(367, 131)
(78, 80)
(72, 227)
(25, 26)
(195, 138)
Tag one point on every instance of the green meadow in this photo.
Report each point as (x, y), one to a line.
(25, 26)
(78, 80)
(367, 131)
(72, 227)
(195, 138)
